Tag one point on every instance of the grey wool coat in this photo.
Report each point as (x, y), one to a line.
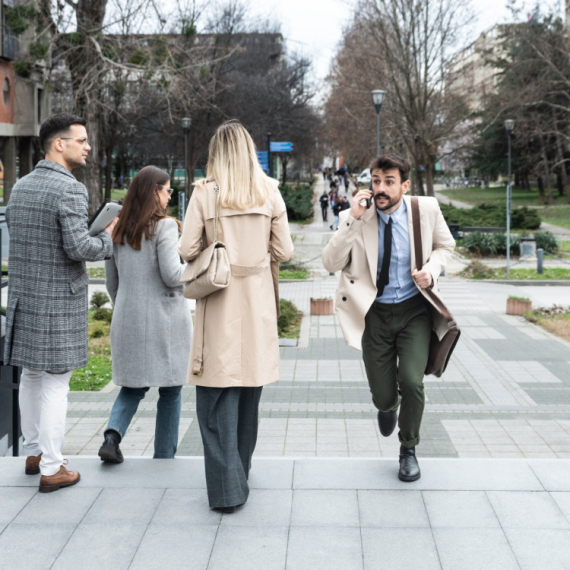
(46, 322)
(151, 329)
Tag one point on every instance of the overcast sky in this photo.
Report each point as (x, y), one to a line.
(314, 27)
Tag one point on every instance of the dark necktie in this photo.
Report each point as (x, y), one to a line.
(384, 278)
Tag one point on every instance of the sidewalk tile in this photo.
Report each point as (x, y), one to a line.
(59, 508)
(187, 507)
(563, 501)
(104, 546)
(392, 509)
(554, 474)
(47, 540)
(474, 549)
(527, 510)
(401, 548)
(239, 547)
(459, 509)
(124, 505)
(540, 549)
(324, 549)
(325, 508)
(264, 508)
(173, 547)
(13, 500)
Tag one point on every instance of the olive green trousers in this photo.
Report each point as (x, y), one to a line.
(395, 348)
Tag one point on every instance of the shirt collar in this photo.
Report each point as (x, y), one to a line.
(396, 215)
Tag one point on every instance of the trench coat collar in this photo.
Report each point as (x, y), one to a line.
(370, 235)
(51, 165)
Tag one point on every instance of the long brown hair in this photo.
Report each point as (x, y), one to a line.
(141, 208)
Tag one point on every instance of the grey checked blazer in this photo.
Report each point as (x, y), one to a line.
(46, 322)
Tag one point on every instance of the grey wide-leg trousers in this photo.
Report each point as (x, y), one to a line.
(228, 420)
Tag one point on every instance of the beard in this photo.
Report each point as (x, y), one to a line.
(389, 202)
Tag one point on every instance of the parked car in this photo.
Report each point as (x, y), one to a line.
(364, 178)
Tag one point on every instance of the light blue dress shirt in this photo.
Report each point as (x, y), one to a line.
(401, 285)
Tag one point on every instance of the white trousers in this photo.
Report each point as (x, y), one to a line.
(43, 408)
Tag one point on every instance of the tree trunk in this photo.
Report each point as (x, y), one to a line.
(420, 182)
(559, 182)
(429, 178)
(284, 161)
(540, 187)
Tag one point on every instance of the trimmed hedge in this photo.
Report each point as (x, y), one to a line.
(491, 215)
(298, 199)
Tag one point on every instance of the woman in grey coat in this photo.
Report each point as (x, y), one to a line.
(151, 327)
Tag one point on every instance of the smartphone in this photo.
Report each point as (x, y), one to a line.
(368, 201)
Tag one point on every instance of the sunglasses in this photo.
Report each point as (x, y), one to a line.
(167, 188)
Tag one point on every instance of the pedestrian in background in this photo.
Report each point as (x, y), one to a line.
(46, 318)
(152, 324)
(324, 200)
(235, 347)
(336, 211)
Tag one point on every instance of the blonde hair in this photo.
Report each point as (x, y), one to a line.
(233, 164)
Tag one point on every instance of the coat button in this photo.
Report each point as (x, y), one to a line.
(344, 298)
(351, 281)
(347, 224)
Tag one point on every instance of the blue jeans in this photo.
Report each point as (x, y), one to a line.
(167, 416)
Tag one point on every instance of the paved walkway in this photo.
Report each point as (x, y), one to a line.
(302, 514)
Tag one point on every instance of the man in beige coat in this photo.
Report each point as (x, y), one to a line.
(381, 302)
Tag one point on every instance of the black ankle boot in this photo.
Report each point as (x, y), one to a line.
(110, 452)
(409, 468)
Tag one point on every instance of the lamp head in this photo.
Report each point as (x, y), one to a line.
(378, 98)
(509, 125)
(186, 122)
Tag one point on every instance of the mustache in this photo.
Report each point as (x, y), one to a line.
(381, 195)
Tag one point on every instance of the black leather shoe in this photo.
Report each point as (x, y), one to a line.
(387, 422)
(409, 467)
(225, 510)
(109, 451)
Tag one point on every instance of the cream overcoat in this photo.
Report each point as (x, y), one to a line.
(235, 330)
(353, 250)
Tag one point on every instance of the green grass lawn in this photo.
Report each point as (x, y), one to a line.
(478, 270)
(294, 273)
(97, 373)
(498, 195)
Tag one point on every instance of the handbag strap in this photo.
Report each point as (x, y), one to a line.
(420, 260)
(216, 212)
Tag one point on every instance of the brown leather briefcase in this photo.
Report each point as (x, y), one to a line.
(439, 350)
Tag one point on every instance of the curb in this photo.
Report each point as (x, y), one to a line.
(523, 282)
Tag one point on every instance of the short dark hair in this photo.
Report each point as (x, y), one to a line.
(389, 161)
(55, 126)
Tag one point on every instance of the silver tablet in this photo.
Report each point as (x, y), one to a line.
(103, 217)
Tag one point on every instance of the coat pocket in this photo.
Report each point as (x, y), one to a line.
(78, 283)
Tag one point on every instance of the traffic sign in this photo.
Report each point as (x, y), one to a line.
(263, 157)
(281, 147)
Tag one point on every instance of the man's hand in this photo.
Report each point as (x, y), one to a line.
(356, 210)
(109, 229)
(423, 278)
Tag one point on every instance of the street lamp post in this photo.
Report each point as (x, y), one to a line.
(509, 125)
(378, 98)
(186, 122)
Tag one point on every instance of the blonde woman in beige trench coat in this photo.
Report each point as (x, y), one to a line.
(235, 347)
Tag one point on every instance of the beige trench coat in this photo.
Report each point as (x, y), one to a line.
(353, 250)
(235, 331)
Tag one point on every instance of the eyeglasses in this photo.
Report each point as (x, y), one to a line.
(167, 188)
(82, 141)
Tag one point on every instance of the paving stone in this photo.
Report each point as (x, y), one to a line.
(325, 508)
(266, 548)
(401, 548)
(174, 547)
(124, 505)
(540, 549)
(324, 549)
(103, 546)
(392, 509)
(459, 509)
(474, 548)
(13, 500)
(527, 510)
(185, 507)
(264, 508)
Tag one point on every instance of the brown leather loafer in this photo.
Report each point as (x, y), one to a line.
(63, 478)
(33, 464)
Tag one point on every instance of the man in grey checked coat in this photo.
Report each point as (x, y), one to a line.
(46, 322)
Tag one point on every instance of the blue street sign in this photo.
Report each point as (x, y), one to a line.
(281, 147)
(262, 154)
(263, 157)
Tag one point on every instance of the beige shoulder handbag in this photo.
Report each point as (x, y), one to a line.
(439, 350)
(211, 270)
